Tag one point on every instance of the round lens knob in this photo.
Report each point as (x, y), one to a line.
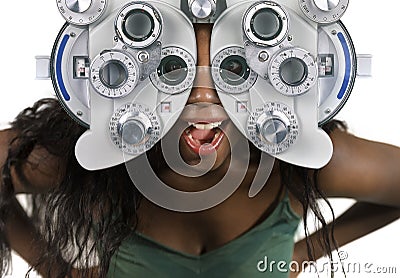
(326, 5)
(78, 6)
(134, 129)
(273, 128)
(265, 23)
(293, 71)
(202, 9)
(114, 74)
(132, 132)
(324, 11)
(82, 12)
(274, 131)
(138, 24)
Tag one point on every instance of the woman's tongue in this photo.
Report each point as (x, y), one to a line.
(202, 135)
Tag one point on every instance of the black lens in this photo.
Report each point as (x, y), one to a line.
(138, 25)
(234, 70)
(266, 24)
(293, 71)
(172, 70)
(113, 74)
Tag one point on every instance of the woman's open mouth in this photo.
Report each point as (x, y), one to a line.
(203, 137)
(205, 123)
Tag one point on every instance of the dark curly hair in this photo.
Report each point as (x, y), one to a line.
(92, 207)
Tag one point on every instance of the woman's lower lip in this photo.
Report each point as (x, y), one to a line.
(206, 148)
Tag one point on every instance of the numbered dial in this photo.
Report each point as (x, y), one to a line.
(81, 12)
(230, 71)
(114, 74)
(176, 71)
(134, 128)
(324, 11)
(273, 128)
(293, 71)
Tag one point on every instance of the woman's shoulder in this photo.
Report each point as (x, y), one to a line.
(362, 169)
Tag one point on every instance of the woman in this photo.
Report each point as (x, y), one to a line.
(97, 224)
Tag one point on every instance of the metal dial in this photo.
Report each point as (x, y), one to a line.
(81, 12)
(114, 74)
(273, 128)
(134, 128)
(202, 9)
(176, 71)
(230, 71)
(324, 11)
(265, 23)
(293, 71)
(138, 25)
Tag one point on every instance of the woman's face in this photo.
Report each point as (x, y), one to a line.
(203, 115)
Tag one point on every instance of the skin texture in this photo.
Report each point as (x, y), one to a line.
(360, 169)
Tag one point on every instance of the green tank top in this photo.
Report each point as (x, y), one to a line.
(263, 251)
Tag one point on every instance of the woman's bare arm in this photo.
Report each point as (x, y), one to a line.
(358, 221)
(41, 173)
(368, 172)
(364, 170)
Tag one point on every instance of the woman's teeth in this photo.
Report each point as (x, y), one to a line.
(207, 126)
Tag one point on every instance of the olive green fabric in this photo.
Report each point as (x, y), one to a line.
(256, 253)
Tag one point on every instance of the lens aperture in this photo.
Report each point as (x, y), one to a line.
(172, 70)
(138, 25)
(266, 24)
(293, 71)
(113, 74)
(234, 70)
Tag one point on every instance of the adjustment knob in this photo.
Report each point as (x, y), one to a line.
(324, 11)
(273, 128)
(265, 23)
(78, 6)
(202, 9)
(82, 12)
(114, 74)
(134, 129)
(293, 71)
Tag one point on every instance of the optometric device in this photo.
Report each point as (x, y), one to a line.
(125, 69)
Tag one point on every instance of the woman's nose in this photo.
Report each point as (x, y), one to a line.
(203, 87)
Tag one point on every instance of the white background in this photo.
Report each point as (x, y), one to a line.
(29, 28)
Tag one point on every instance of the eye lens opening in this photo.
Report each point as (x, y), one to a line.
(172, 70)
(266, 24)
(293, 71)
(234, 70)
(138, 25)
(113, 74)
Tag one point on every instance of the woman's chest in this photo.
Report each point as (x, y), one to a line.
(197, 233)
